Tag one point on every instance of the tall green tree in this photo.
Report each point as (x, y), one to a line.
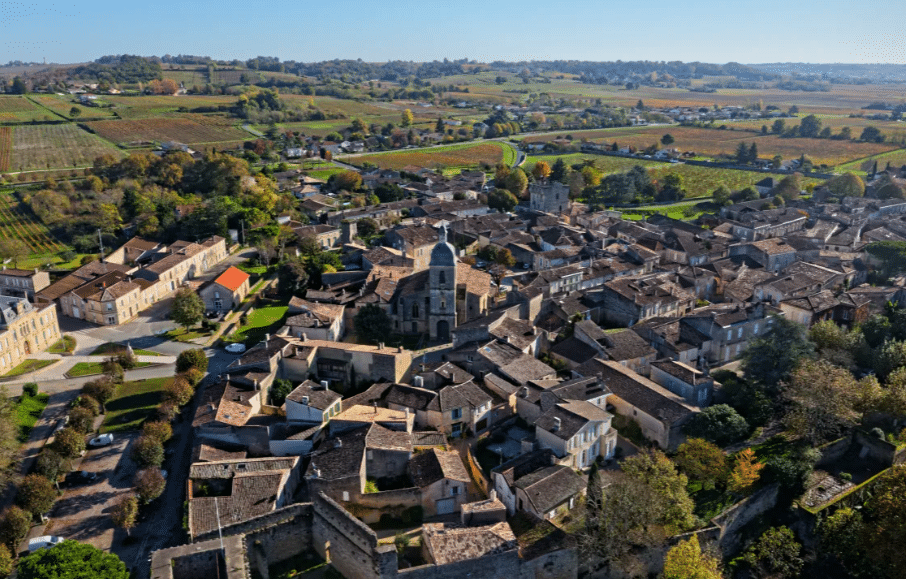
(770, 359)
(187, 309)
(71, 560)
(810, 126)
(372, 324)
(775, 555)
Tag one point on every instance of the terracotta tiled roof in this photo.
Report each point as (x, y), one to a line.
(232, 278)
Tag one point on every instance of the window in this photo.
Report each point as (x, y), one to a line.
(442, 277)
(415, 309)
(216, 294)
(111, 320)
(109, 307)
(729, 334)
(443, 305)
(346, 496)
(454, 490)
(755, 329)
(739, 333)
(456, 413)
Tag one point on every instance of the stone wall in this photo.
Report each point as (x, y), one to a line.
(562, 564)
(881, 450)
(741, 514)
(502, 566)
(348, 544)
(833, 451)
(198, 560)
(300, 513)
(279, 541)
(370, 506)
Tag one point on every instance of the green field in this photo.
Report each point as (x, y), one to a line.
(28, 411)
(18, 109)
(27, 366)
(65, 345)
(134, 403)
(262, 321)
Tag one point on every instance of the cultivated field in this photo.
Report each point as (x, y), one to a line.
(17, 223)
(6, 147)
(63, 106)
(454, 156)
(40, 147)
(18, 109)
(131, 107)
(187, 129)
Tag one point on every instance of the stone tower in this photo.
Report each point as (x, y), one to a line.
(549, 197)
(442, 289)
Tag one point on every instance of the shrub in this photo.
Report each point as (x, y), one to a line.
(167, 411)
(193, 376)
(14, 526)
(162, 431)
(88, 403)
(68, 443)
(6, 561)
(719, 424)
(51, 464)
(148, 451)
(114, 371)
(102, 390)
(192, 359)
(179, 391)
(149, 484)
(30, 389)
(81, 419)
(36, 494)
(125, 512)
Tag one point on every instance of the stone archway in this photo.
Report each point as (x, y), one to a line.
(443, 331)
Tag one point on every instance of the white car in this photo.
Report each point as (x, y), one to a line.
(102, 440)
(235, 348)
(43, 541)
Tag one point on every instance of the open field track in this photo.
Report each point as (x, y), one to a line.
(446, 157)
(15, 223)
(189, 130)
(42, 147)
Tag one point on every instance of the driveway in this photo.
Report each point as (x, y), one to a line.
(83, 512)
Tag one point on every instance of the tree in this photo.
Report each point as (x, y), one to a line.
(292, 277)
(746, 471)
(71, 560)
(158, 429)
(888, 191)
(672, 188)
(347, 181)
(372, 324)
(790, 187)
(778, 126)
(187, 309)
(69, 443)
(149, 484)
(541, 171)
(841, 539)
(75, 112)
(14, 527)
(686, 561)
(81, 419)
(406, 118)
(194, 358)
(657, 471)
(701, 461)
(719, 424)
(505, 258)
(125, 512)
(591, 176)
(18, 86)
(885, 524)
(872, 135)
(502, 200)
(36, 494)
(558, 171)
(14, 249)
(774, 555)
(179, 391)
(148, 451)
(667, 139)
(822, 400)
(770, 359)
(280, 389)
(722, 196)
(51, 464)
(516, 181)
(810, 126)
(846, 185)
(101, 390)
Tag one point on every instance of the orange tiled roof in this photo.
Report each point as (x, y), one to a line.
(232, 278)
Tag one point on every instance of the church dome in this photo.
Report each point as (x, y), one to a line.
(443, 254)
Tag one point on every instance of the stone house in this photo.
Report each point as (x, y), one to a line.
(659, 413)
(630, 300)
(443, 480)
(550, 491)
(315, 320)
(108, 300)
(227, 291)
(694, 386)
(23, 282)
(549, 197)
(184, 261)
(577, 431)
(312, 403)
(25, 329)
(387, 453)
(730, 327)
(504, 477)
(773, 254)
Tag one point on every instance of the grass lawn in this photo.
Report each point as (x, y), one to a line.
(64, 346)
(89, 368)
(250, 267)
(183, 335)
(133, 403)
(261, 321)
(28, 411)
(112, 349)
(29, 366)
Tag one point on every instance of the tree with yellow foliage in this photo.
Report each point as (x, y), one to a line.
(541, 170)
(407, 118)
(746, 472)
(686, 561)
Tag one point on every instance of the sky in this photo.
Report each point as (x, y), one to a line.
(816, 31)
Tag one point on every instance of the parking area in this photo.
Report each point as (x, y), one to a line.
(83, 512)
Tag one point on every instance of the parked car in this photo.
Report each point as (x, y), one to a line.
(102, 440)
(80, 478)
(235, 348)
(43, 541)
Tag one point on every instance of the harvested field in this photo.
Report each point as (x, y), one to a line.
(189, 130)
(6, 147)
(446, 157)
(18, 109)
(41, 147)
(131, 107)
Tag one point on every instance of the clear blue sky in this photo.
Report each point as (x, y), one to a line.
(380, 30)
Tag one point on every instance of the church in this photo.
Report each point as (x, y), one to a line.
(446, 295)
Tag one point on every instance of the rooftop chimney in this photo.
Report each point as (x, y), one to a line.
(556, 425)
(524, 392)
(325, 384)
(255, 383)
(305, 401)
(492, 495)
(418, 381)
